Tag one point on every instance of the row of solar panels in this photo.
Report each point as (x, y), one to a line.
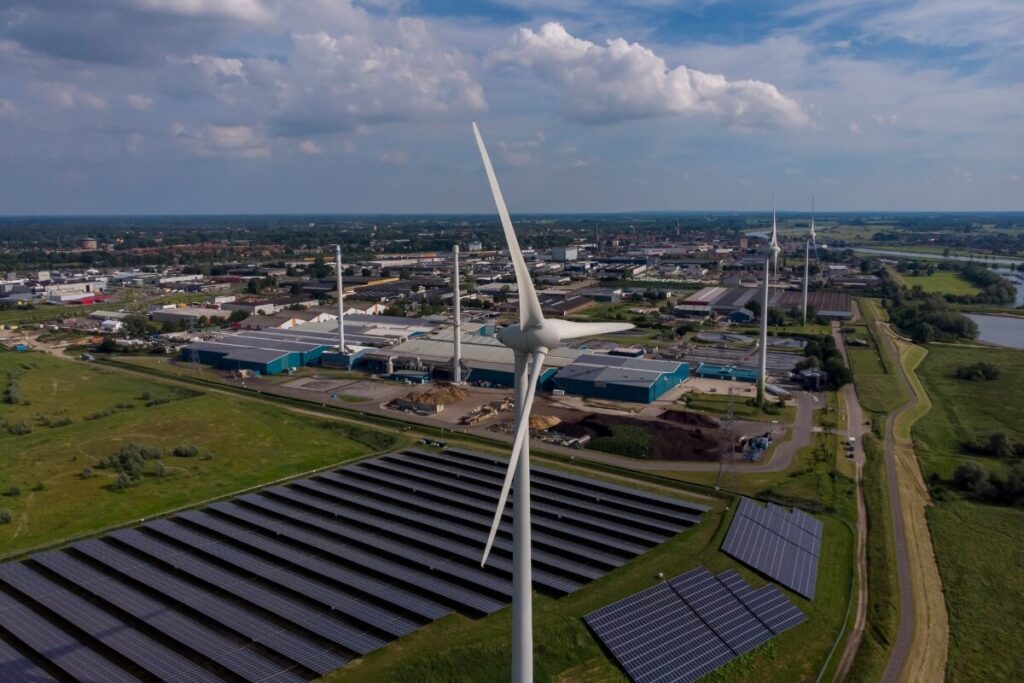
(685, 628)
(781, 544)
(293, 582)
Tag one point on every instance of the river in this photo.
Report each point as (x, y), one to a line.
(983, 260)
(1001, 330)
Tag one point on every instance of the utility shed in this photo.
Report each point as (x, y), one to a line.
(619, 378)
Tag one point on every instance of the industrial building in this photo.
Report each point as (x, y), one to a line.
(485, 360)
(265, 352)
(621, 378)
(733, 300)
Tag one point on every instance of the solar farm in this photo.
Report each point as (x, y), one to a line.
(297, 580)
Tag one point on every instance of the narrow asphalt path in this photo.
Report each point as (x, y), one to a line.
(905, 631)
(855, 427)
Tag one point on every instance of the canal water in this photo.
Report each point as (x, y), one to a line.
(1001, 330)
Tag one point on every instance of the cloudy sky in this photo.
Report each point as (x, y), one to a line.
(221, 106)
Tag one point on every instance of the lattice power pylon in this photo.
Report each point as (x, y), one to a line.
(726, 464)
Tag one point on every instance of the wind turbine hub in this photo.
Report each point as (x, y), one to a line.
(537, 338)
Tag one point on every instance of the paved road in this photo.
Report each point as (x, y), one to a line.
(905, 631)
(855, 428)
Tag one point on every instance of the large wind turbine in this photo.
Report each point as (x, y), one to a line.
(811, 241)
(531, 340)
(771, 254)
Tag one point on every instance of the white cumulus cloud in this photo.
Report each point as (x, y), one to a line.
(621, 81)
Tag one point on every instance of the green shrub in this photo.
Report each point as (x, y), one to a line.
(185, 451)
(12, 492)
(5, 516)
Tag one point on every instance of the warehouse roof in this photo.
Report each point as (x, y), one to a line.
(622, 370)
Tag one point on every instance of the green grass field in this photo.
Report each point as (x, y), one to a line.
(251, 443)
(965, 411)
(941, 281)
(978, 547)
(982, 566)
(875, 372)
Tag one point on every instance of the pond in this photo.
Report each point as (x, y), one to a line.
(1001, 330)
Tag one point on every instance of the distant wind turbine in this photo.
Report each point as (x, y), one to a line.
(811, 241)
(531, 340)
(771, 254)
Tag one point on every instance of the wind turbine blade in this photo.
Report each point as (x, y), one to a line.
(530, 314)
(522, 434)
(571, 330)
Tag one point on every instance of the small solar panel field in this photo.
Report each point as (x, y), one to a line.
(783, 545)
(297, 580)
(683, 629)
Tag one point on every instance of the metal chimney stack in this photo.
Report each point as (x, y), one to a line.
(457, 296)
(341, 302)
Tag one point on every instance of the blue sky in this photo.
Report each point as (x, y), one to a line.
(222, 106)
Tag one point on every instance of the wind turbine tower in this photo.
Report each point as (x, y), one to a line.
(457, 327)
(771, 253)
(807, 259)
(341, 301)
(530, 340)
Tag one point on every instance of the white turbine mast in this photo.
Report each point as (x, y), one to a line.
(530, 340)
(341, 301)
(807, 259)
(771, 253)
(457, 322)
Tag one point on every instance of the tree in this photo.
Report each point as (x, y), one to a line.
(971, 477)
(108, 345)
(238, 316)
(254, 286)
(136, 325)
(999, 445)
(923, 333)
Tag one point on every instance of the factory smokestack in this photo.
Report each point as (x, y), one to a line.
(341, 301)
(457, 331)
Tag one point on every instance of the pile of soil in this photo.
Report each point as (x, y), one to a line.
(668, 441)
(544, 422)
(690, 419)
(442, 395)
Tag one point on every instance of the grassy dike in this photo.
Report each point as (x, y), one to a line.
(879, 390)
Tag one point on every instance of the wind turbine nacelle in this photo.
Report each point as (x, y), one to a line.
(540, 337)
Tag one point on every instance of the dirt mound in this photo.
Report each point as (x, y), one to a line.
(544, 422)
(690, 419)
(442, 395)
(664, 440)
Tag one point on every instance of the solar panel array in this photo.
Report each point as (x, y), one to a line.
(686, 627)
(781, 544)
(292, 582)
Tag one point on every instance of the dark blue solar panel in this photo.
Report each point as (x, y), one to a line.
(780, 544)
(685, 628)
(56, 645)
(16, 668)
(136, 647)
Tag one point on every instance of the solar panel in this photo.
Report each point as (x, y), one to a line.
(422, 506)
(16, 668)
(231, 654)
(781, 544)
(139, 649)
(294, 581)
(685, 628)
(56, 645)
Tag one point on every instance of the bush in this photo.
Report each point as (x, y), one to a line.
(157, 402)
(160, 469)
(39, 486)
(20, 428)
(123, 482)
(147, 395)
(12, 492)
(185, 451)
(977, 372)
(87, 473)
(5, 516)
